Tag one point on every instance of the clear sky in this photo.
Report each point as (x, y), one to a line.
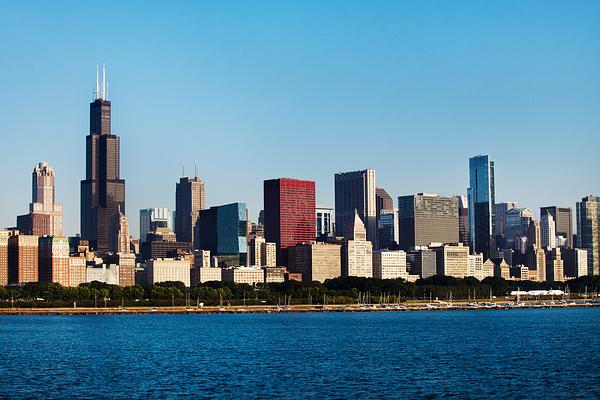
(258, 90)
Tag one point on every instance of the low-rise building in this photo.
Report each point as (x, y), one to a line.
(249, 275)
(389, 264)
(274, 274)
(108, 274)
(77, 271)
(501, 268)
(167, 270)
(575, 262)
(421, 262)
(452, 260)
(53, 260)
(205, 274)
(22, 259)
(316, 261)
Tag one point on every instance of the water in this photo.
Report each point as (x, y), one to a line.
(462, 354)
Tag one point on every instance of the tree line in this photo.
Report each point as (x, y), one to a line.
(347, 290)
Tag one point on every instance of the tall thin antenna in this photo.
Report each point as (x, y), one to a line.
(195, 170)
(106, 90)
(103, 81)
(97, 88)
(182, 170)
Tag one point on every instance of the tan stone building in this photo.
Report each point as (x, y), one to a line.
(357, 251)
(452, 260)
(205, 274)
(316, 261)
(248, 275)
(388, 264)
(53, 262)
(4, 257)
(167, 270)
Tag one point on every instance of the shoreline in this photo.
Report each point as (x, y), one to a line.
(294, 309)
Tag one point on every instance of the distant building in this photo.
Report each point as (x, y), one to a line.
(274, 275)
(53, 260)
(427, 218)
(554, 266)
(324, 221)
(588, 232)
(357, 251)
(463, 220)
(563, 222)
(575, 262)
(422, 262)
(248, 275)
(163, 249)
(389, 264)
(500, 210)
(501, 268)
(22, 259)
(316, 261)
(152, 218)
(356, 192)
(289, 206)
(167, 270)
(536, 260)
(222, 230)
(547, 231)
(127, 267)
(4, 257)
(388, 228)
(45, 215)
(516, 224)
(103, 273)
(452, 260)
(487, 270)
(119, 235)
(481, 194)
(77, 271)
(475, 263)
(205, 274)
(190, 198)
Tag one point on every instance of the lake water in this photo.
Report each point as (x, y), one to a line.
(537, 353)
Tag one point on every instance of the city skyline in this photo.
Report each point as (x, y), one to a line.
(237, 104)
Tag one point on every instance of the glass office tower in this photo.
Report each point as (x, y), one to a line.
(481, 194)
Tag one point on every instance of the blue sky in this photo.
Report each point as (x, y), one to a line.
(257, 90)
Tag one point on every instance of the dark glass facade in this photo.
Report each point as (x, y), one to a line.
(102, 191)
(222, 230)
(482, 198)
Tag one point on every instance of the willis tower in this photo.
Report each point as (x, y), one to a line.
(102, 191)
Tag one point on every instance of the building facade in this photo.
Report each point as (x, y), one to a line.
(22, 259)
(316, 261)
(190, 198)
(168, 270)
(53, 260)
(356, 192)
(588, 232)
(222, 230)
(388, 264)
(563, 222)
(45, 215)
(152, 218)
(357, 251)
(452, 260)
(482, 197)
(289, 213)
(324, 221)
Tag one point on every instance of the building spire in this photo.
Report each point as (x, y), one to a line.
(97, 92)
(103, 81)
(195, 170)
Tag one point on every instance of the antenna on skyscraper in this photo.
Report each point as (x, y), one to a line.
(195, 170)
(97, 88)
(103, 81)
(106, 91)
(182, 170)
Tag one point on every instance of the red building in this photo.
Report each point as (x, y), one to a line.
(289, 207)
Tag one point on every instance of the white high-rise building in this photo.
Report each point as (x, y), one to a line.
(357, 251)
(547, 231)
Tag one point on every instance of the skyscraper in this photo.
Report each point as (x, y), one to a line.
(190, 198)
(324, 221)
(427, 218)
(45, 215)
(500, 210)
(588, 232)
(355, 191)
(482, 197)
(222, 230)
(563, 221)
(289, 206)
(547, 231)
(102, 190)
(463, 220)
